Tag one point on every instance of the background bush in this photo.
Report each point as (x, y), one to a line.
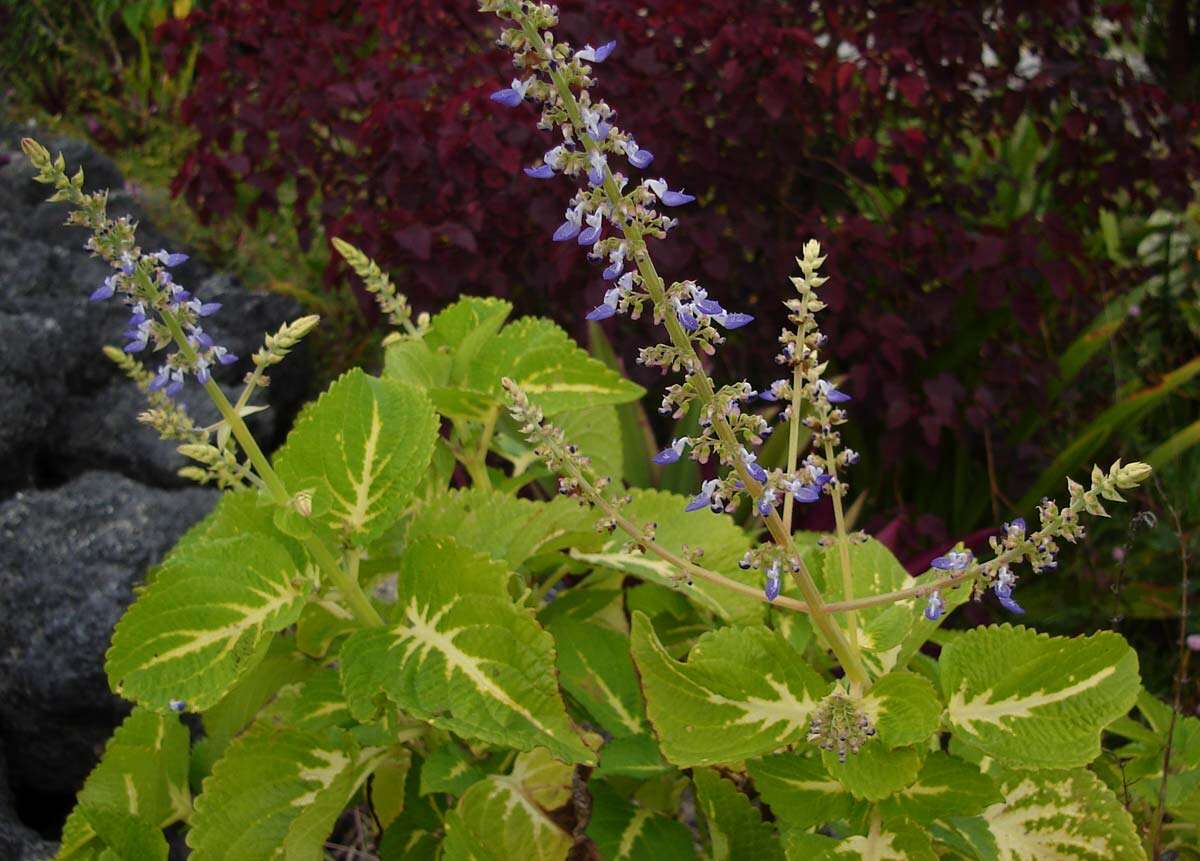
(954, 158)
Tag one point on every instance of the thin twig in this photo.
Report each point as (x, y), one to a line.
(1180, 672)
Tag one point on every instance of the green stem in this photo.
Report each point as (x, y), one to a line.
(848, 657)
(843, 543)
(359, 603)
(793, 457)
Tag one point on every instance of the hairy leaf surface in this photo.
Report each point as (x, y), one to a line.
(361, 449)
(204, 622)
(461, 655)
(1035, 701)
(743, 692)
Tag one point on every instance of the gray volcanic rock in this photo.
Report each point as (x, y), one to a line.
(69, 560)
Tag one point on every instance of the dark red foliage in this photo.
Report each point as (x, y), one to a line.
(945, 307)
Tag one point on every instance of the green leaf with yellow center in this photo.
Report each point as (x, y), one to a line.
(736, 829)
(625, 831)
(946, 786)
(874, 571)
(460, 654)
(743, 692)
(506, 528)
(1035, 701)
(891, 840)
(1060, 815)
(723, 543)
(800, 791)
(361, 450)
(204, 622)
(499, 819)
(139, 785)
(277, 792)
(597, 672)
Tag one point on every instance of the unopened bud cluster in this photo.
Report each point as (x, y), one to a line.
(839, 725)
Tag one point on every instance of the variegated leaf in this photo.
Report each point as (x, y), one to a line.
(624, 831)
(723, 542)
(743, 692)
(277, 793)
(461, 655)
(904, 708)
(874, 570)
(549, 367)
(1064, 815)
(1035, 701)
(508, 529)
(874, 772)
(360, 449)
(204, 622)
(497, 820)
(946, 786)
(800, 791)
(736, 829)
(597, 672)
(892, 840)
(139, 786)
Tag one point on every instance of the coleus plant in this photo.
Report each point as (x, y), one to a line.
(395, 639)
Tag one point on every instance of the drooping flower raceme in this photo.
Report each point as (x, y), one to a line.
(159, 308)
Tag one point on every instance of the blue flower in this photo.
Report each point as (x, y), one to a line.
(666, 195)
(706, 497)
(752, 467)
(773, 586)
(1004, 596)
(734, 320)
(834, 396)
(807, 493)
(671, 453)
(934, 607)
(955, 560)
(773, 393)
(591, 233)
(169, 260)
(542, 171)
(686, 319)
(513, 95)
(639, 158)
(105, 290)
(570, 228)
(596, 55)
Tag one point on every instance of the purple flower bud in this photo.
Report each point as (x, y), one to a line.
(169, 260)
(955, 560)
(224, 357)
(1004, 596)
(566, 230)
(641, 158)
(834, 396)
(735, 320)
(601, 312)
(774, 584)
(700, 500)
(209, 308)
(671, 453)
(507, 97)
(134, 346)
(176, 705)
(934, 607)
(542, 171)
(105, 290)
(708, 306)
(687, 320)
(807, 493)
(595, 176)
(613, 270)
(676, 198)
(603, 52)
(588, 235)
